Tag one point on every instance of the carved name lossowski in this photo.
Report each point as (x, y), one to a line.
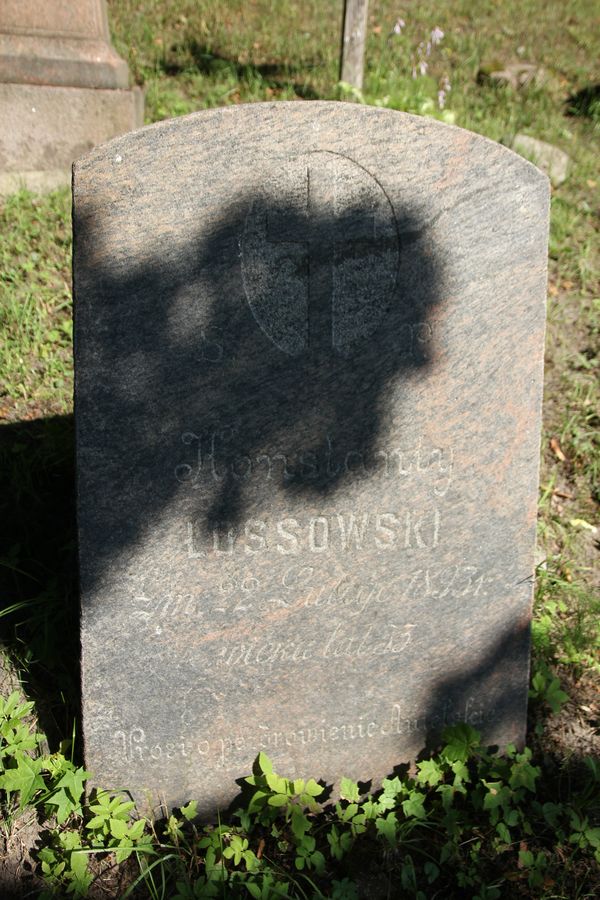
(215, 460)
(407, 530)
(230, 751)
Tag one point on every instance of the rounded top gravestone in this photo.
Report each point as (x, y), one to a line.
(308, 379)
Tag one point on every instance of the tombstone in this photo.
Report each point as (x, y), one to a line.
(308, 380)
(63, 89)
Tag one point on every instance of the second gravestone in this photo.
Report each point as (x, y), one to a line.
(309, 367)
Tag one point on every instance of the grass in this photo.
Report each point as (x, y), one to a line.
(35, 306)
(191, 55)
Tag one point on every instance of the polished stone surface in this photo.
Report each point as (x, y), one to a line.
(308, 380)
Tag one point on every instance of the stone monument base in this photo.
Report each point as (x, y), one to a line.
(47, 127)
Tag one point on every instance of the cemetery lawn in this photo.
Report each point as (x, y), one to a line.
(191, 56)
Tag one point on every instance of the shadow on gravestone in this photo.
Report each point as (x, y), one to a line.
(39, 518)
(284, 389)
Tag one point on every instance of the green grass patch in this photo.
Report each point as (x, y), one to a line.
(35, 305)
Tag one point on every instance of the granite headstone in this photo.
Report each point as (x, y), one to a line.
(308, 379)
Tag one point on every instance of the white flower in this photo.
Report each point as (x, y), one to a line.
(400, 24)
(436, 35)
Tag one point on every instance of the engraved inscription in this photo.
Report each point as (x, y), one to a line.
(304, 587)
(229, 751)
(342, 642)
(320, 255)
(344, 532)
(214, 459)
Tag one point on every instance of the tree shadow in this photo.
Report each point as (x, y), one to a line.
(39, 614)
(191, 55)
(585, 103)
(262, 359)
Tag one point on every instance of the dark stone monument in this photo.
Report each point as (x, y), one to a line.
(308, 379)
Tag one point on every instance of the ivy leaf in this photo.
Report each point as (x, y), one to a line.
(414, 806)
(25, 779)
(503, 832)
(64, 805)
(67, 797)
(552, 813)
(555, 697)
(277, 784)
(300, 824)
(262, 765)
(118, 828)
(257, 801)
(317, 861)
(460, 740)
(593, 837)
(349, 790)
(429, 772)
(511, 817)
(461, 772)
(387, 828)
(431, 871)
(524, 775)
(190, 811)
(392, 786)
(137, 829)
(82, 879)
(312, 788)
(73, 781)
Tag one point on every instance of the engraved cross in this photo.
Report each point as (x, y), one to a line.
(322, 231)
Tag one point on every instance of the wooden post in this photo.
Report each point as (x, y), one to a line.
(353, 42)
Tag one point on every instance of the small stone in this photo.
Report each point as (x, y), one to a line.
(550, 159)
(515, 75)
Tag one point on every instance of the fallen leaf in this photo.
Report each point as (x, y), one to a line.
(555, 446)
(581, 523)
